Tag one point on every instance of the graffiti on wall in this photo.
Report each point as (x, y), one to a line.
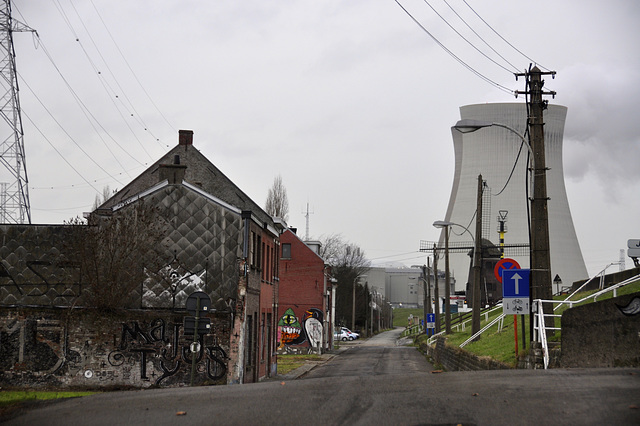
(292, 332)
(140, 353)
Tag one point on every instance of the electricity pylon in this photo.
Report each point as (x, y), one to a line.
(14, 189)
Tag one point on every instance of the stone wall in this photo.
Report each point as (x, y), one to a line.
(457, 359)
(81, 348)
(602, 334)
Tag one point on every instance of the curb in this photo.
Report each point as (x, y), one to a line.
(310, 365)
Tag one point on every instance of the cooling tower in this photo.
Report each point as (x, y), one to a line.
(496, 154)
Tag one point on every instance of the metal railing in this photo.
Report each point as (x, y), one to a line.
(540, 329)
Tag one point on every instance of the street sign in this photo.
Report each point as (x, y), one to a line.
(515, 291)
(204, 326)
(192, 302)
(633, 252)
(431, 320)
(503, 264)
(632, 244)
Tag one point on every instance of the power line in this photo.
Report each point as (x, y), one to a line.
(108, 89)
(480, 37)
(460, 61)
(503, 39)
(131, 69)
(60, 154)
(70, 137)
(467, 40)
(137, 116)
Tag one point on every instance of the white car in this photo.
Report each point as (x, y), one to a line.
(350, 333)
(342, 335)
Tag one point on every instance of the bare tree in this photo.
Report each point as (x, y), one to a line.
(348, 262)
(106, 194)
(277, 202)
(113, 253)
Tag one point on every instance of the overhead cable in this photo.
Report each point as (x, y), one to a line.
(460, 61)
(467, 40)
(503, 39)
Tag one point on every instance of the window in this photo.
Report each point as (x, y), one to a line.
(286, 251)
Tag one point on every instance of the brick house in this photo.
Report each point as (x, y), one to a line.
(304, 312)
(216, 240)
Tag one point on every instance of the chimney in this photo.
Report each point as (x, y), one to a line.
(185, 137)
(174, 173)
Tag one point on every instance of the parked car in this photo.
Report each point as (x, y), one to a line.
(351, 333)
(342, 335)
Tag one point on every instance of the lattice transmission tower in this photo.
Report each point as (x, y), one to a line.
(14, 189)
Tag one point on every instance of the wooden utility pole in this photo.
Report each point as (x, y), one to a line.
(447, 286)
(477, 263)
(541, 285)
(426, 299)
(435, 288)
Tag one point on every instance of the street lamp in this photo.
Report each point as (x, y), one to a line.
(539, 238)
(470, 126)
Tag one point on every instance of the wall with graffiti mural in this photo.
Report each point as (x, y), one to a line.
(295, 335)
(82, 348)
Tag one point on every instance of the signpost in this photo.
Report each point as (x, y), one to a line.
(515, 291)
(503, 264)
(197, 304)
(515, 296)
(431, 323)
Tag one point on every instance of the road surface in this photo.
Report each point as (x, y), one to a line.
(374, 382)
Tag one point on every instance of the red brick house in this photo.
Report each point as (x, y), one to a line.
(305, 296)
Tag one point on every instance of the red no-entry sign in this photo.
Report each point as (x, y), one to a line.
(504, 264)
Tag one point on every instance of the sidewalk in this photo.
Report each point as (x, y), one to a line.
(310, 365)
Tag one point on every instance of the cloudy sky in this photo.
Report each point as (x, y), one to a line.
(350, 101)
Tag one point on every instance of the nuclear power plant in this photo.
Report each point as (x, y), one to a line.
(499, 156)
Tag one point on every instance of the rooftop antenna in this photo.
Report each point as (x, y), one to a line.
(14, 188)
(306, 236)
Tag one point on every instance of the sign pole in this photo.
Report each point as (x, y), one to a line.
(195, 342)
(515, 333)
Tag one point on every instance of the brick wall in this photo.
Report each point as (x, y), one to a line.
(457, 359)
(301, 287)
(82, 348)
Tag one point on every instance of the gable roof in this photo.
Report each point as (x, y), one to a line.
(288, 235)
(199, 172)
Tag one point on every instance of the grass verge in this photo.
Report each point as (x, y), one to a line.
(288, 363)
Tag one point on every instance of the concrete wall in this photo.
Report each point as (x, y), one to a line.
(83, 348)
(602, 334)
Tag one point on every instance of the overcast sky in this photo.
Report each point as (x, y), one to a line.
(350, 101)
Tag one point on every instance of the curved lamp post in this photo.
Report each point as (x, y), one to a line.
(470, 126)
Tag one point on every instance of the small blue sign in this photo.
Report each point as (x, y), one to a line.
(515, 283)
(431, 318)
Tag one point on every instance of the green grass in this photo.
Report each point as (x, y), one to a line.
(500, 344)
(287, 363)
(14, 397)
(400, 315)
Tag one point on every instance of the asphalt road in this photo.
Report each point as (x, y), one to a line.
(374, 382)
